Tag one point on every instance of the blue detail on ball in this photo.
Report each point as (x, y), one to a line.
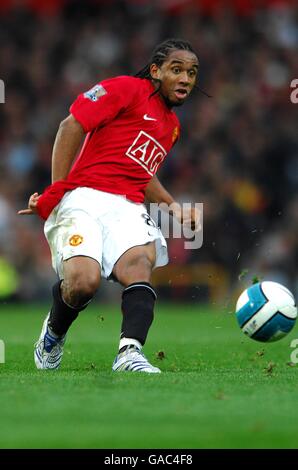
(256, 301)
(278, 323)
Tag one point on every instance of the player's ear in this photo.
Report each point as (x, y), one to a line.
(155, 71)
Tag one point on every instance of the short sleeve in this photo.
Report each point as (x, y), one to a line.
(103, 102)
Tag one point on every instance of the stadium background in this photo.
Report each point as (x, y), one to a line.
(237, 154)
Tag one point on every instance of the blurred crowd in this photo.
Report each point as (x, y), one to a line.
(238, 150)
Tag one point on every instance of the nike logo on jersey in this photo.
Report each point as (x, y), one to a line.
(148, 118)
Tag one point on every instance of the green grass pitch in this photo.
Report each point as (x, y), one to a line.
(218, 388)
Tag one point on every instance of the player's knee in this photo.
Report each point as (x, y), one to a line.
(138, 268)
(85, 286)
(81, 288)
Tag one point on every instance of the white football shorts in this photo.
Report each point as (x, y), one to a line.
(102, 226)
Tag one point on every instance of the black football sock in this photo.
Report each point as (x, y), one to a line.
(137, 308)
(62, 315)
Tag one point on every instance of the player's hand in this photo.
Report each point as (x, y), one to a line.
(32, 205)
(190, 217)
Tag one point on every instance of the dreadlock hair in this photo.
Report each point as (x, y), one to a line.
(160, 55)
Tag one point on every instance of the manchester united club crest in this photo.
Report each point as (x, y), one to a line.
(76, 240)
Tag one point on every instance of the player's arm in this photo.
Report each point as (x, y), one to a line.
(67, 143)
(156, 192)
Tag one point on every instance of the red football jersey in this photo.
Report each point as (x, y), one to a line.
(129, 133)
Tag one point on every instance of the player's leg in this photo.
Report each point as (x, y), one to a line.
(73, 294)
(75, 240)
(70, 297)
(133, 270)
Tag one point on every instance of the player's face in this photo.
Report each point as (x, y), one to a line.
(178, 75)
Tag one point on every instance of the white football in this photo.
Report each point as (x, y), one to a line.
(266, 311)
